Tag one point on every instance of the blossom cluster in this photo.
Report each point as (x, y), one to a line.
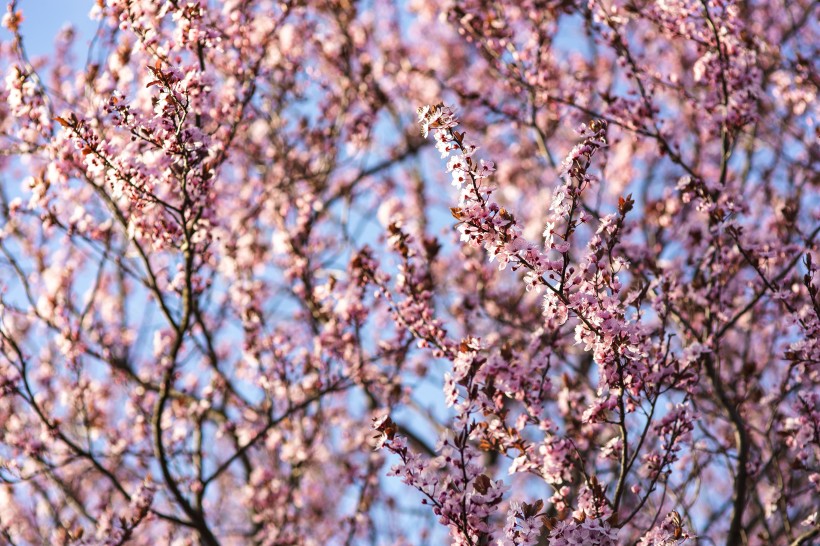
(461, 496)
(223, 252)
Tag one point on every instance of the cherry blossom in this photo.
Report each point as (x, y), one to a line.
(470, 272)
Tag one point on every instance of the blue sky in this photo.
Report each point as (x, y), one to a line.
(44, 18)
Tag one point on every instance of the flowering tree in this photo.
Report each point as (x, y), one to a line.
(241, 301)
